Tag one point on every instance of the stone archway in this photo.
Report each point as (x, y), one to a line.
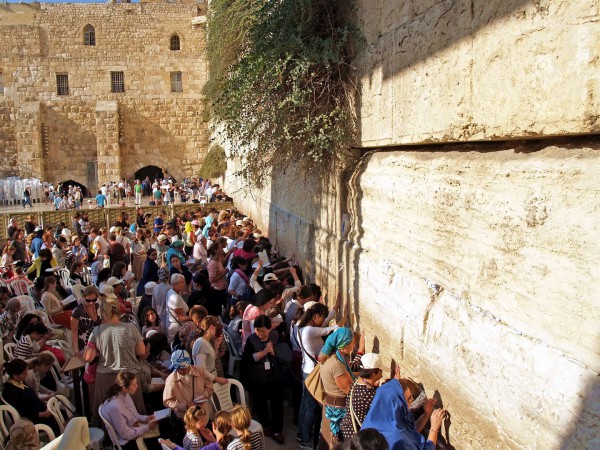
(64, 187)
(152, 172)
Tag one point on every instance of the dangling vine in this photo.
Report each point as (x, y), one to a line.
(280, 82)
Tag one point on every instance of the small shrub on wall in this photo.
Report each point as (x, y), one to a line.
(280, 82)
(215, 163)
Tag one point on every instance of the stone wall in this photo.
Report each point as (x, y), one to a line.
(158, 127)
(472, 265)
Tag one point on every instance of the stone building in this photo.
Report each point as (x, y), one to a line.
(96, 92)
(473, 254)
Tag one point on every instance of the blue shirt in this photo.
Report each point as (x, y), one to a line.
(157, 224)
(100, 199)
(36, 246)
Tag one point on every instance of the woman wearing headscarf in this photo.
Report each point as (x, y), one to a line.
(390, 415)
(189, 237)
(337, 378)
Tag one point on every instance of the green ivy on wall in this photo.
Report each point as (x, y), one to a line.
(280, 82)
(215, 163)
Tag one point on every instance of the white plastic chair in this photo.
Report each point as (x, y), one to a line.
(77, 291)
(8, 416)
(113, 435)
(233, 353)
(62, 410)
(44, 429)
(27, 303)
(64, 278)
(221, 397)
(19, 287)
(9, 348)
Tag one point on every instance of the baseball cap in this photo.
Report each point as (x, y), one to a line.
(113, 281)
(161, 237)
(270, 277)
(107, 290)
(371, 361)
(180, 359)
(149, 287)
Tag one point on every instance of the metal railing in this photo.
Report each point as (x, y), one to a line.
(103, 217)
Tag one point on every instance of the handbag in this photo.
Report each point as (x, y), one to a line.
(314, 385)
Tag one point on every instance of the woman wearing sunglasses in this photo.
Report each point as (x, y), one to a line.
(85, 317)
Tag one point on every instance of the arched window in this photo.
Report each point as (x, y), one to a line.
(89, 35)
(175, 44)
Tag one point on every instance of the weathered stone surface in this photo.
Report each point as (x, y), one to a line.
(439, 71)
(509, 233)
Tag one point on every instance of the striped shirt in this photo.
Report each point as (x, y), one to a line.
(192, 441)
(256, 440)
(26, 347)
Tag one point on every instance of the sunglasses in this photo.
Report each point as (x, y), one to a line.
(90, 300)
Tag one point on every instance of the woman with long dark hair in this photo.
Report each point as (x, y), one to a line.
(120, 411)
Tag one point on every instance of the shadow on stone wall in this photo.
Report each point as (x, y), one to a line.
(584, 431)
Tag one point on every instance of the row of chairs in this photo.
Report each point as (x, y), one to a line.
(61, 409)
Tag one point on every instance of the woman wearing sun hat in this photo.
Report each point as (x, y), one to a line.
(187, 385)
(361, 395)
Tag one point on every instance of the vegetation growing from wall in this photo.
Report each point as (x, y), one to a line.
(215, 163)
(280, 82)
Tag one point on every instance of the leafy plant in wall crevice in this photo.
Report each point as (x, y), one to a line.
(280, 82)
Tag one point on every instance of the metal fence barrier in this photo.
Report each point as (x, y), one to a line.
(103, 217)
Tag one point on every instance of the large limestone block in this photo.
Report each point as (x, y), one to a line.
(514, 230)
(438, 71)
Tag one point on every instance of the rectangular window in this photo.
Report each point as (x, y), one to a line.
(176, 84)
(117, 82)
(1, 84)
(62, 84)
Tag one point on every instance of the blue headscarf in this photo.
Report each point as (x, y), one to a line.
(390, 416)
(337, 340)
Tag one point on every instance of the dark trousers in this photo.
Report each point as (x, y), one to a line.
(263, 396)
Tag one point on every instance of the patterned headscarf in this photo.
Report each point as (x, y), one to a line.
(23, 436)
(163, 274)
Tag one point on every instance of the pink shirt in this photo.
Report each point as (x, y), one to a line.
(251, 313)
(216, 275)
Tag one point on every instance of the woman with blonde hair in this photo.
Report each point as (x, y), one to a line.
(195, 421)
(117, 346)
(241, 420)
(221, 428)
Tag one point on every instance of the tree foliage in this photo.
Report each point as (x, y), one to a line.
(280, 81)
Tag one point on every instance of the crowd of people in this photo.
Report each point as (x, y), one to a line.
(160, 191)
(159, 303)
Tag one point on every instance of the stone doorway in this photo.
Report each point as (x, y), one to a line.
(64, 187)
(152, 172)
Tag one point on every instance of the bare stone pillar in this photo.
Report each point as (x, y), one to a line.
(107, 142)
(30, 149)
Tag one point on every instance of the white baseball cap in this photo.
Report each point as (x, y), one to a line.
(371, 361)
